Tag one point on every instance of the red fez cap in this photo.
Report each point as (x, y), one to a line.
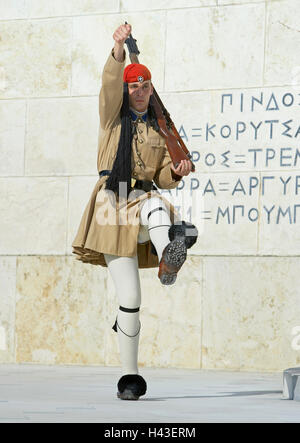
(136, 72)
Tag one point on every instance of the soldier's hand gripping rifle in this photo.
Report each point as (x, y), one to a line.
(177, 149)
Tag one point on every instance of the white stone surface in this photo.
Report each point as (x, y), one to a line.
(255, 129)
(222, 203)
(204, 58)
(35, 58)
(62, 136)
(250, 307)
(33, 215)
(92, 43)
(7, 308)
(250, 171)
(66, 324)
(12, 137)
(280, 209)
(73, 394)
(144, 5)
(282, 65)
(14, 9)
(240, 2)
(44, 8)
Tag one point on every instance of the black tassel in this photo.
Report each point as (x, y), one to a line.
(153, 250)
(115, 326)
(121, 170)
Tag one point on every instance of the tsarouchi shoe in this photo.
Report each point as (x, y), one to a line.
(182, 235)
(131, 387)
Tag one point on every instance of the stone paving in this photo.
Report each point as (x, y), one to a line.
(34, 393)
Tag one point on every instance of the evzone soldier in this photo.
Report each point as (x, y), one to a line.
(131, 152)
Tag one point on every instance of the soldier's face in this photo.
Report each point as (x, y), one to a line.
(139, 95)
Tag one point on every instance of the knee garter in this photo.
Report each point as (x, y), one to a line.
(116, 324)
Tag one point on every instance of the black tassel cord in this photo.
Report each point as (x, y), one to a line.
(121, 170)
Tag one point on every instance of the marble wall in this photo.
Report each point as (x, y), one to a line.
(229, 73)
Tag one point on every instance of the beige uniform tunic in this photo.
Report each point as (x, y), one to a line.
(150, 160)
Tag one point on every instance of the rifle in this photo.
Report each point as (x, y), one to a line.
(176, 147)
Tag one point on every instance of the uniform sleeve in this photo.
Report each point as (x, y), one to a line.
(164, 177)
(111, 92)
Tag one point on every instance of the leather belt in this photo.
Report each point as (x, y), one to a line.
(145, 185)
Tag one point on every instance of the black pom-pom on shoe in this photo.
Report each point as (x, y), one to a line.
(184, 230)
(131, 387)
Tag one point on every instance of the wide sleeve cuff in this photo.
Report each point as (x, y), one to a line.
(163, 177)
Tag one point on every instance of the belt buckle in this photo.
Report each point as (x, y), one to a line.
(133, 180)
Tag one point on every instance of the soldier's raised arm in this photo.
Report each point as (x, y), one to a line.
(119, 36)
(111, 93)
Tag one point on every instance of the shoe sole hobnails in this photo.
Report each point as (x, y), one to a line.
(173, 257)
(127, 394)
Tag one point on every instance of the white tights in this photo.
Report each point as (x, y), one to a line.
(125, 274)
